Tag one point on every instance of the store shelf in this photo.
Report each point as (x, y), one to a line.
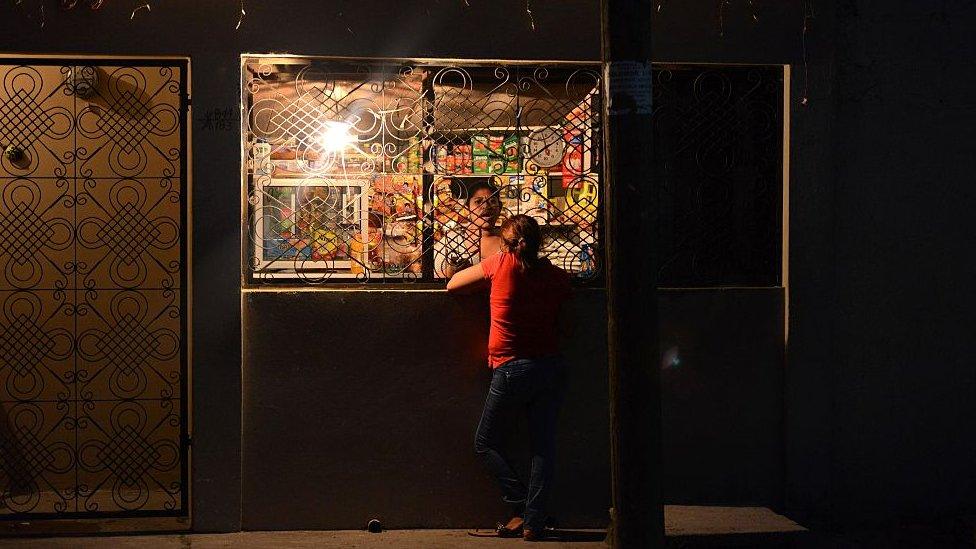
(514, 174)
(333, 175)
(497, 129)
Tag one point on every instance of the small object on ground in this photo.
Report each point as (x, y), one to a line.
(483, 533)
(374, 526)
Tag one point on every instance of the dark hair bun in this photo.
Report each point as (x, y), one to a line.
(522, 237)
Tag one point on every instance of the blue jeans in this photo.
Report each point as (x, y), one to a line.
(535, 386)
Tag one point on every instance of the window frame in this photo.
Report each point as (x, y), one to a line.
(590, 238)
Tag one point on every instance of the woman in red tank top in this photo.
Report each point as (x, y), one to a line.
(528, 373)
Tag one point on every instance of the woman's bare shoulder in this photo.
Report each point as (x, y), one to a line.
(490, 245)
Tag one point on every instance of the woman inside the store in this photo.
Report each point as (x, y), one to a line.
(472, 238)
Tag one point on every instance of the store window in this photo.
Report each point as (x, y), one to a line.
(380, 171)
(719, 169)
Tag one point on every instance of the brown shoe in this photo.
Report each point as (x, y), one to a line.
(529, 534)
(512, 529)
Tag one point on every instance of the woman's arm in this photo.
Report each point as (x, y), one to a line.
(468, 279)
(448, 270)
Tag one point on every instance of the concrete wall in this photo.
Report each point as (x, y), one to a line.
(812, 294)
(364, 404)
(904, 380)
(722, 396)
(880, 381)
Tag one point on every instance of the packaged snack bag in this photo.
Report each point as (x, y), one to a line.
(572, 166)
(496, 145)
(468, 159)
(441, 157)
(401, 164)
(413, 154)
(480, 164)
(479, 145)
(496, 166)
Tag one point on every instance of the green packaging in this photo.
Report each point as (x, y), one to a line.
(511, 147)
(481, 164)
(479, 145)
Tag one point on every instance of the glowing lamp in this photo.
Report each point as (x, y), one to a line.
(336, 136)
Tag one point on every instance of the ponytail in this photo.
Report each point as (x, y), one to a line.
(522, 237)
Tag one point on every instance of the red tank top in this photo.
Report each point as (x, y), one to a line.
(524, 308)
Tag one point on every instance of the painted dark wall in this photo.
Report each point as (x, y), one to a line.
(880, 381)
(350, 416)
(812, 277)
(205, 32)
(722, 396)
(346, 420)
(695, 31)
(904, 379)
(879, 377)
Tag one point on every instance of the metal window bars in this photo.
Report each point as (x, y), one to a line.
(383, 171)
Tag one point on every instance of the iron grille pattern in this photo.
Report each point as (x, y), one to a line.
(93, 293)
(379, 172)
(718, 153)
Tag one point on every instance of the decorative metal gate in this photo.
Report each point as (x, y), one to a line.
(718, 164)
(93, 292)
(389, 171)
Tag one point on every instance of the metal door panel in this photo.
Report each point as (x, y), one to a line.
(94, 289)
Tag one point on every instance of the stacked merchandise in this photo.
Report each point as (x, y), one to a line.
(410, 159)
(453, 159)
(577, 159)
(575, 252)
(496, 154)
(290, 159)
(449, 212)
(527, 195)
(393, 244)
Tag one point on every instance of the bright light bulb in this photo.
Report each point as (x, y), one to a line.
(336, 136)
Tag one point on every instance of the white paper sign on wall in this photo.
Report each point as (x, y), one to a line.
(630, 87)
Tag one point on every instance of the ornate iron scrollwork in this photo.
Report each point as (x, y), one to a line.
(370, 171)
(93, 293)
(718, 153)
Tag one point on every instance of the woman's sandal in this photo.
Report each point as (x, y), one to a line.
(511, 530)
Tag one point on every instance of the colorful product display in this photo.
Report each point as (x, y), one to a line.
(410, 158)
(395, 228)
(572, 165)
(493, 154)
(380, 231)
(528, 195)
(298, 226)
(456, 159)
